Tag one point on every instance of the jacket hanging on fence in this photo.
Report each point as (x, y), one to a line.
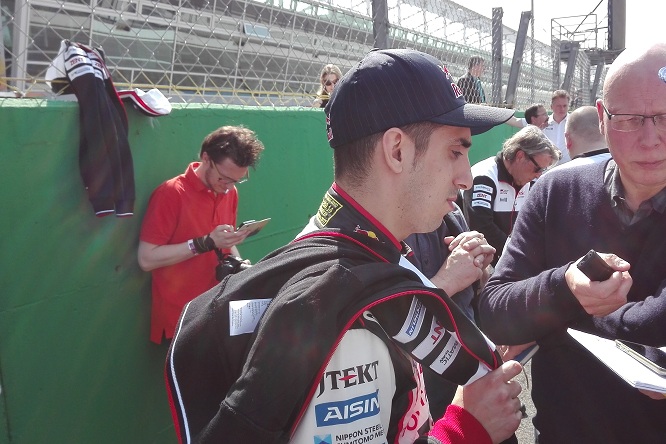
(105, 159)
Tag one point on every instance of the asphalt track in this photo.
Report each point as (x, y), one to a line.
(525, 432)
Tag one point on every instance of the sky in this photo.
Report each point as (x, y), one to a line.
(645, 18)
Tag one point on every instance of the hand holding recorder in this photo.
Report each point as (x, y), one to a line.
(594, 282)
(594, 267)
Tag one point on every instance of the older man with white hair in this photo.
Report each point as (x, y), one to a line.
(618, 208)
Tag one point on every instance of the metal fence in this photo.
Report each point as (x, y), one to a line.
(264, 52)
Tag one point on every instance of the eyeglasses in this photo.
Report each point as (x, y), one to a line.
(627, 123)
(228, 180)
(330, 82)
(537, 168)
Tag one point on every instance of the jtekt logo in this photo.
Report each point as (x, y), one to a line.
(336, 379)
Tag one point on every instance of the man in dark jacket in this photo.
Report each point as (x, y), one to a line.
(325, 339)
(617, 207)
(470, 83)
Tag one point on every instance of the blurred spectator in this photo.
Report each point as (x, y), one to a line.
(470, 84)
(535, 115)
(585, 142)
(559, 103)
(330, 75)
(582, 132)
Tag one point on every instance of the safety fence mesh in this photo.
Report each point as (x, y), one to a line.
(261, 52)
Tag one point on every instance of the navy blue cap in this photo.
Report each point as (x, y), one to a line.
(396, 87)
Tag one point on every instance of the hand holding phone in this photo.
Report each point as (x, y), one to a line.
(651, 357)
(594, 267)
(253, 226)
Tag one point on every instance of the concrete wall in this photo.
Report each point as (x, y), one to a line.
(75, 361)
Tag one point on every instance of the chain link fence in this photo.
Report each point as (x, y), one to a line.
(263, 52)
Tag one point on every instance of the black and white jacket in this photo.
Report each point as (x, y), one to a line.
(105, 159)
(492, 204)
(322, 338)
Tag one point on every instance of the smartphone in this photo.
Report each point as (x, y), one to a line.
(651, 357)
(524, 356)
(594, 267)
(253, 226)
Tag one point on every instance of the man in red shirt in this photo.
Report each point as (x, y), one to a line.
(188, 218)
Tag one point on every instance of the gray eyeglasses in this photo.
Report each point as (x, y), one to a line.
(627, 123)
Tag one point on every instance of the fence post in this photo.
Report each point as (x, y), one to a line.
(20, 44)
(3, 67)
(516, 63)
(571, 64)
(380, 23)
(497, 37)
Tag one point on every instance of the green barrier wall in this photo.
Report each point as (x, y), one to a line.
(76, 365)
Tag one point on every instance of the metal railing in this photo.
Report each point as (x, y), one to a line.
(261, 52)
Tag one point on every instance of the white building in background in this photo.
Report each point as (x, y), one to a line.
(248, 51)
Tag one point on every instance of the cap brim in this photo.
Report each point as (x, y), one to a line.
(152, 103)
(478, 118)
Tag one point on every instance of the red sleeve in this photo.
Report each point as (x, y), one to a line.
(161, 218)
(458, 426)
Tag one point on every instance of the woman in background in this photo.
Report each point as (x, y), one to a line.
(330, 74)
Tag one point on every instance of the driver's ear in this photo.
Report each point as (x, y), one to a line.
(396, 149)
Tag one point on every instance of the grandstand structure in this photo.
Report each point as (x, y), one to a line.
(270, 52)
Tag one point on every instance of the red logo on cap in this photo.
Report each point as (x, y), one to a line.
(446, 72)
(456, 90)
